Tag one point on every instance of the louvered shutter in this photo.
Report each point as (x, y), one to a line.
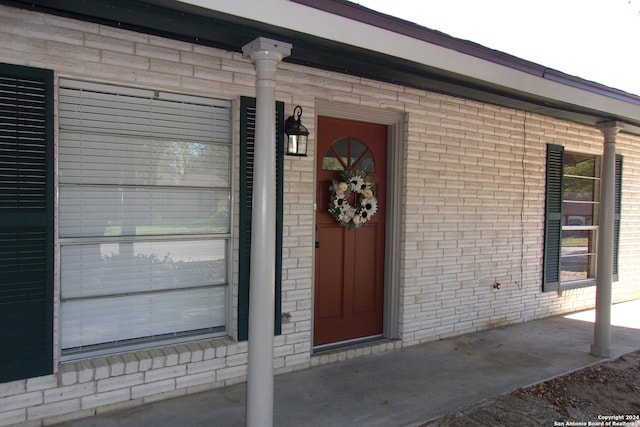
(618, 210)
(247, 141)
(553, 219)
(26, 222)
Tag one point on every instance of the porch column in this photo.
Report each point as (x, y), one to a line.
(266, 54)
(604, 267)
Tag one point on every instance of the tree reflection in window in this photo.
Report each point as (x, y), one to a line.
(347, 154)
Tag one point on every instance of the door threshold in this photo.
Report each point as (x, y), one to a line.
(347, 343)
(352, 349)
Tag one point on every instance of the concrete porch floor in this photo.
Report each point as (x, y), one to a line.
(408, 386)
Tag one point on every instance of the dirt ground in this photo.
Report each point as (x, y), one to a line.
(606, 394)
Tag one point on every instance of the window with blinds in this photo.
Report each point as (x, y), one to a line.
(144, 224)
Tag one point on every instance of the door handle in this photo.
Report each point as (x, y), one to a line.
(317, 244)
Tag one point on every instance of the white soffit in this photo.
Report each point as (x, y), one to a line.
(303, 19)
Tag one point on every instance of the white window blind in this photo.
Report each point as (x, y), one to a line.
(107, 159)
(144, 225)
(89, 210)
(108, 269)
(121, 320)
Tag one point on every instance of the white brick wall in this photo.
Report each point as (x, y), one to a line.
(472, 214)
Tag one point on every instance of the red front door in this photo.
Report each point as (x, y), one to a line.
(349, 263)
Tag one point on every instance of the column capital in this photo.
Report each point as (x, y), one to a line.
(610, 129)
(266, 49)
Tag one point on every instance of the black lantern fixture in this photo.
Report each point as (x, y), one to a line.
(296, 134)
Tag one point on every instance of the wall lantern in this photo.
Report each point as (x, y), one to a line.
(296, 134)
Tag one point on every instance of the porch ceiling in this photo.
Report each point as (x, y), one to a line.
(195, 24)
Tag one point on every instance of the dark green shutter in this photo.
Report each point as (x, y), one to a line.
(26, 222)
(618, 207)
(553, 218)
(247, 140)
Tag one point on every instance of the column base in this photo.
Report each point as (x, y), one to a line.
(600, 351)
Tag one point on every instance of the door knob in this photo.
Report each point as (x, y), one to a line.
(317, 245)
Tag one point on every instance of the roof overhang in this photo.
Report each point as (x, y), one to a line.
(341, 36)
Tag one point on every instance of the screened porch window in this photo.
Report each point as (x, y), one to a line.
(144, 225)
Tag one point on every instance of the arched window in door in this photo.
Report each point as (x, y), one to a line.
(347, 154)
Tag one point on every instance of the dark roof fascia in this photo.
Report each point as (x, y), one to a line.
(182, 21)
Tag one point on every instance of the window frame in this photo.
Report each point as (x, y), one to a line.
(594, 227)
(171, 237)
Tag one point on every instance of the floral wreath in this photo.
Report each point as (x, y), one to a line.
(365, 204)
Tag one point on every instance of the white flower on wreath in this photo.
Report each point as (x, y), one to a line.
(342, 187)
(356, 183)
(369, 207)
(347, 213)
